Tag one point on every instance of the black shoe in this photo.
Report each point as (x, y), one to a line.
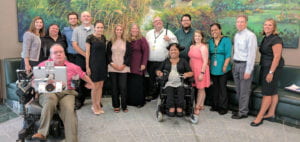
(239, 116)
(256, 124)
(78, 105)
(272, 119)
(213, 109)
(179, 114)
(235, 112)
(148, 98)
(222, 111)
(171, 114)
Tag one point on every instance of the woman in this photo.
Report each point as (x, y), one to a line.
(138, 62)
(96, 64)
(220, 54)
(175, 66)
(53, 36)
(31, 48)
(118, 52)
(199, 63)
(271, 62)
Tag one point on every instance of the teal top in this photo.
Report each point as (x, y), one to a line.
(185, 41)
(218, 55)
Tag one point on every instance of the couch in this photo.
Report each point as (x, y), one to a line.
(288, 108)
(9, 66)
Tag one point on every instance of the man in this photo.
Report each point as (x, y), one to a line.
(185, 35)
(78, 41)
(245, 45)
(68, 31)
(64, 99)
(158, 39)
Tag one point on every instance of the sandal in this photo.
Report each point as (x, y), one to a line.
(116, 110)
(125, 110)
(95, 112)
(197, 110)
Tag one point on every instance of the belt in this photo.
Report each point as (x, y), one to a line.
(237, 61)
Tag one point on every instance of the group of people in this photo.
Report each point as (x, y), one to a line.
(126, 59)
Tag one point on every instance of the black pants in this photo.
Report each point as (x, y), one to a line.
(151, 68)
(82, 90)
(219, 92)
(71, 57)
(119, 87)
(175, 97)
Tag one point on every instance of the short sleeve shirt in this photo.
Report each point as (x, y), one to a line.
(267, 51)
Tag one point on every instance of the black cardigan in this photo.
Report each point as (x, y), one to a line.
(126, 56)
(182, 66)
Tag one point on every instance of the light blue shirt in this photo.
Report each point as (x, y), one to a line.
(68, 31)
(245, 46)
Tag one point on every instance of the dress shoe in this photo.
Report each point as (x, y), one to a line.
(222, 111)
(272, 119)
(148, 98)
(179, 114)
(256, 124)
(239, 116)
(78, 105)
(38, 136)
(213, 109)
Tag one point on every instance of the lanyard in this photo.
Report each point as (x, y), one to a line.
(155, 37)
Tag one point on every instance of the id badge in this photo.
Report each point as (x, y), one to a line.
(153, 48)
(215, 63)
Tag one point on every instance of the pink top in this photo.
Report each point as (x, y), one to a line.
(118, 52)
(72, 70)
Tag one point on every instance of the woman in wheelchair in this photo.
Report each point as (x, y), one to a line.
(176, 68)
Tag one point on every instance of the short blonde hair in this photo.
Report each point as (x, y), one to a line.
(275, 31)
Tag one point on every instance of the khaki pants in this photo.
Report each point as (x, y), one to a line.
(65, 100)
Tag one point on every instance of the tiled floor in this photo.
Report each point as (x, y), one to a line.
(139, 125)
(6, 113)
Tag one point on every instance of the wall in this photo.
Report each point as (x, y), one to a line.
(10, 47)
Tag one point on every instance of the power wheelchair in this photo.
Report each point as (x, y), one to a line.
(31, 111)
(189, 98)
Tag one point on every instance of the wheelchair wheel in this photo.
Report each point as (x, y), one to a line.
(159, 116)
(194, 119)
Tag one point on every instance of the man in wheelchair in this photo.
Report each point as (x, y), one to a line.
(174, 69)
(65, 98)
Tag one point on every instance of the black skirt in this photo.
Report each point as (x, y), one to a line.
(135, 90)
(269, 89)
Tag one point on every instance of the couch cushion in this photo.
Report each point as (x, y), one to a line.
(284, 96)
(289, 75)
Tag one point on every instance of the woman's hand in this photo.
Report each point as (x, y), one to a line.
(159, 73)
(143, 67)
(90, 85)
(269, 77)
(88, 71)
(27, 68)
(224, 69)
(200, 77)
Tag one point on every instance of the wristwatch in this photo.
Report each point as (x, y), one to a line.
(271, 72)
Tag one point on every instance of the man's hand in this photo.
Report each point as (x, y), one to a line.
(166, 38)
(246, 76)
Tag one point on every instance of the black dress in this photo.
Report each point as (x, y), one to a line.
(266, 59)
(97, 60)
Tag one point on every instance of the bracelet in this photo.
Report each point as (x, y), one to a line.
(202, 72)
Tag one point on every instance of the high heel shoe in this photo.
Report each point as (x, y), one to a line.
(197, 110)
(101, 111)
(202, 107)
(256, 124)
(95, 112)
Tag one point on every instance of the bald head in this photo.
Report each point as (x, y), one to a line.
(86, 18)
(57, 54)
